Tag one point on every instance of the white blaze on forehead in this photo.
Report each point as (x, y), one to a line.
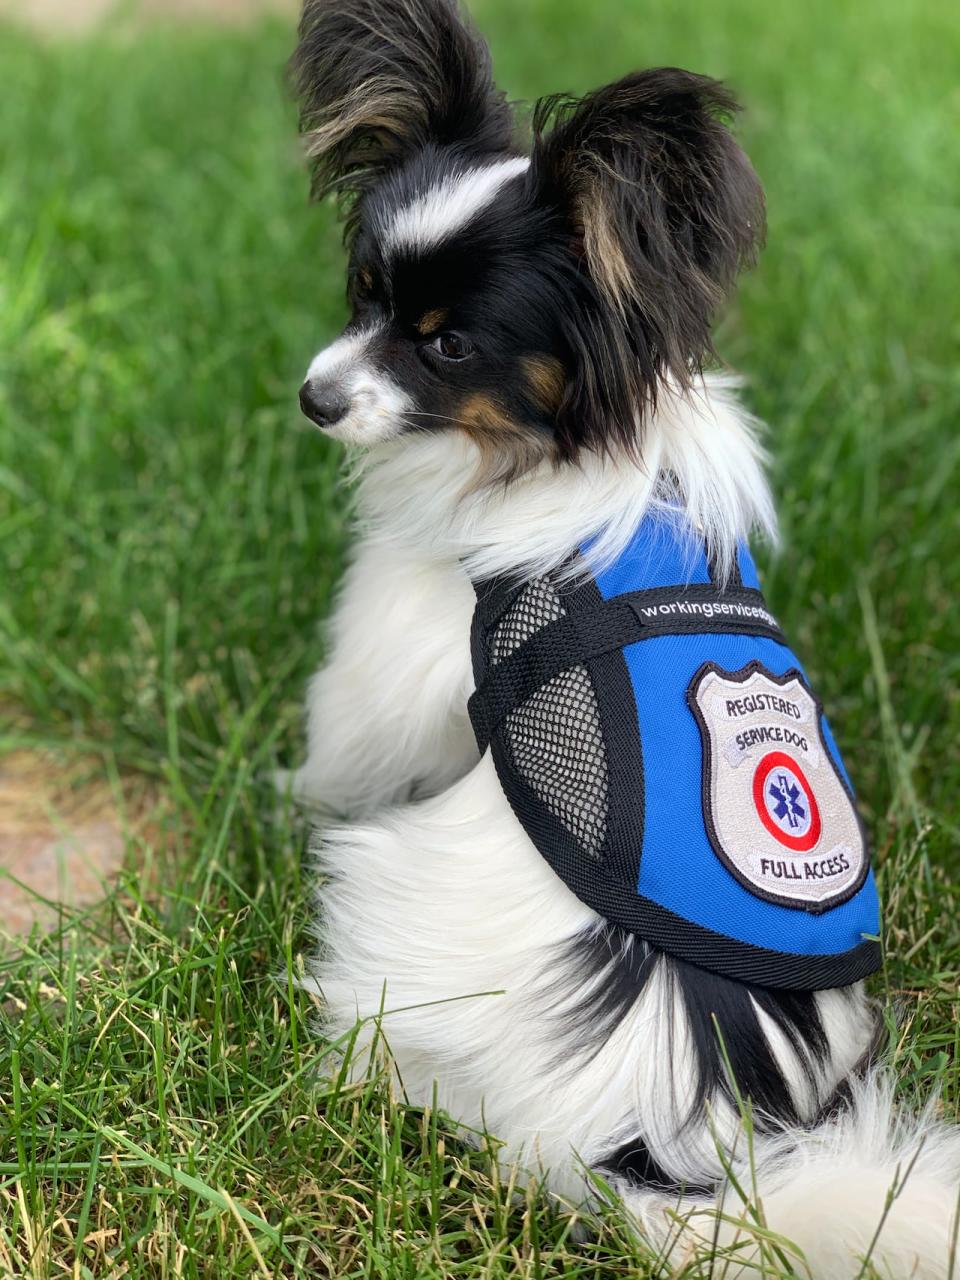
(342, 355)
(433, 216)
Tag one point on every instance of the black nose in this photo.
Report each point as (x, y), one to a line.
(322, 403)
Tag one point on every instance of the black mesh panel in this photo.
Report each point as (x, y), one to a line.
(555, 736)
(536, 605)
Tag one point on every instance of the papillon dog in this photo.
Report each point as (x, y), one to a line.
(508, 742)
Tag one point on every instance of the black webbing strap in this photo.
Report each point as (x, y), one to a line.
(610, 625)
(495, 597)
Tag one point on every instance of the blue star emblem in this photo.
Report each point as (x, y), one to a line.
(787, 795)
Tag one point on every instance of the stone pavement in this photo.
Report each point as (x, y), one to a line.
(67, 17)
(63, 836)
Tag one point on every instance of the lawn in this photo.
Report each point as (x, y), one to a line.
(170, 537)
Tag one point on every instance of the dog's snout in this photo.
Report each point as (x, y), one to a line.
(323, 403)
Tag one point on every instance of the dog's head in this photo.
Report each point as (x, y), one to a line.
(534, 297)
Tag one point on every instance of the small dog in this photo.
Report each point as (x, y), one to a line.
(642, 899)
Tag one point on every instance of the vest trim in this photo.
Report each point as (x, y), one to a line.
(661, 928)
(610, 625)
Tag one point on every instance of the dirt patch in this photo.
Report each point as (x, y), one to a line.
(64, 831)
(70, 17)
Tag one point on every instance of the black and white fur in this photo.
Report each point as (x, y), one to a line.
(522, 372)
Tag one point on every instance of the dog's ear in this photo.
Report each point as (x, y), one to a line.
(661, 204)
(378, 79)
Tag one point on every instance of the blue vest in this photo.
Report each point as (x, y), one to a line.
(660, 744)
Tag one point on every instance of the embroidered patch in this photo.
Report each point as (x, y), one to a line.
(778, 813)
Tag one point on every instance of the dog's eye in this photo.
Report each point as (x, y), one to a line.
(451, 346)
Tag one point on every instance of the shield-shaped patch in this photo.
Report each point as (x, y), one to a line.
(778, 812)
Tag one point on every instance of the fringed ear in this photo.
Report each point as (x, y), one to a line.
(378, 79)
(662, 204)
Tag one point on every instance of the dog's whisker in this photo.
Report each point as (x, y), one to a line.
(453, 422)
(443, 417)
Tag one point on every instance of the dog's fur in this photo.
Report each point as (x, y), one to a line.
(524, 371)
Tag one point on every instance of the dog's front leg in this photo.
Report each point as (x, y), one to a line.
(386, 714)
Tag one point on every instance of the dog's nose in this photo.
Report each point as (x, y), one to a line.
(323, 404)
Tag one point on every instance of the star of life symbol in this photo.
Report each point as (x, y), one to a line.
(787, 795)
(776, 810)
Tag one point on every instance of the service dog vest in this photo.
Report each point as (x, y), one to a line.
(660, 743)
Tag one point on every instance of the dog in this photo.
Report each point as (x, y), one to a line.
(546, 466)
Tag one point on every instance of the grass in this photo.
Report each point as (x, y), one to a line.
(170, 537)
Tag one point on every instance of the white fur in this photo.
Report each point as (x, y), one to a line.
(701, 450)
(447, 207)
(848, 1024)
(871, 1183)
(387, 713)
(457, 907)
(442, 914)
(377, 404)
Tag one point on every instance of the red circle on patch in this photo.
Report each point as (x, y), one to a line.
(791, 770)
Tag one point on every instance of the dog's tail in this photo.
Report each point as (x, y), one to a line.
(872, 1190)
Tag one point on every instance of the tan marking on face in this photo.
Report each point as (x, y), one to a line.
(508, 449)
(433, 320)
(365, 276)
(546, 379)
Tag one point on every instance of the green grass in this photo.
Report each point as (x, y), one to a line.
(170, 537)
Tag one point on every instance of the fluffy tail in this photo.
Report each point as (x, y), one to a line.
(872, 1191)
